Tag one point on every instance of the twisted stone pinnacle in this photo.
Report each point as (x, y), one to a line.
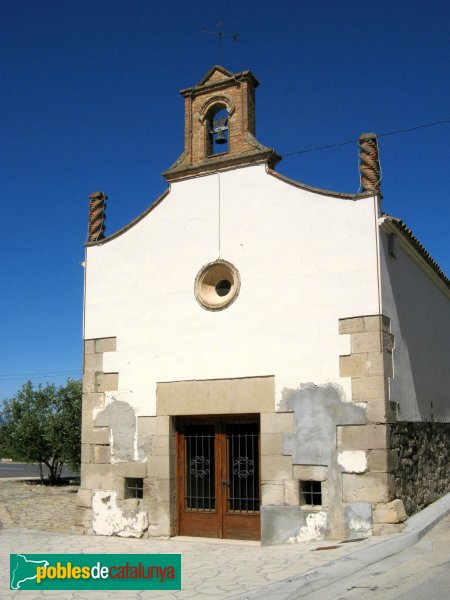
(369, 162)
(97, 216)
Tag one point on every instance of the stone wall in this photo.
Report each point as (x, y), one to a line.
(369, 365)
(116, 445)
(422, 474)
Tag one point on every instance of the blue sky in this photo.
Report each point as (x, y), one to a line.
(90, 101)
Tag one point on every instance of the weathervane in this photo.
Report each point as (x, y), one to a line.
(221, 34)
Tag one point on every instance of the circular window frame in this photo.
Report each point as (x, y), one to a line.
(207, 279)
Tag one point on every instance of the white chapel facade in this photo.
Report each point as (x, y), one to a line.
(249, 365)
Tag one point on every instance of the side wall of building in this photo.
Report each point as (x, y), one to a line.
(417, 302)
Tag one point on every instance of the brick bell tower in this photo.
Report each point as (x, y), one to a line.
(220, 126)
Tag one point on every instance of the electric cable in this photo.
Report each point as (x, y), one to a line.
(384, 134)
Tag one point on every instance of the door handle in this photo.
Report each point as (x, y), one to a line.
(224, 483)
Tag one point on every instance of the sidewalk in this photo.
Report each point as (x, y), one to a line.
(214, 569)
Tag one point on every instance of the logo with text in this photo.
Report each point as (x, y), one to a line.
(95, 571)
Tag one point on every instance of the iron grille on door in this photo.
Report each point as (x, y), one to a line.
(218, 476)
(200, 467)
(243, 467)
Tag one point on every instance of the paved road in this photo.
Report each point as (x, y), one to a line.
(418, 573)
(211, 569)
(214, 570)
(225, 569)
(14, 469)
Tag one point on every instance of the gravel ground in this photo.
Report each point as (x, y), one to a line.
(30, 505)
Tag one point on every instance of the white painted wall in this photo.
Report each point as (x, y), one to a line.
(305, 261)
(419, 310)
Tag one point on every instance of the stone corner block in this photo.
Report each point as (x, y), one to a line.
(93, 363)
(369, 388)
(84, 498)
(161, 466)
(159, 519)
(373, 323)
(351, 325)
(89, 346)
(387, 528)
(375, 364)
(368, 487)
(309, 472)
(93, 400)
(291, 490)
(160, 490)
(276, 468)
(100, 454)
(380, 363)
(106, 344)
(271, 443)
(392, 512)
(107, 382)
(362, 437)
(97, 477)
(97, 435)
(277, 422)
(353, 365)
(131, 469)
(88, 382)
(83, 518)
(154, 425)
(160, 445)
(378, 411)
(85, 453)
(366, 341)
(382, 461)
(272, 493)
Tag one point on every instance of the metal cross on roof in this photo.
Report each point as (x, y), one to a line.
(221, 34)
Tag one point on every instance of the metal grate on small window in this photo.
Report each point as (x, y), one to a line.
(310, 493)
(134, 487)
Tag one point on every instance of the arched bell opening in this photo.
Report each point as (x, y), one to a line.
(217, 134)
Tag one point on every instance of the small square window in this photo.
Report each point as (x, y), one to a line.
(310, 493)
(134, 487)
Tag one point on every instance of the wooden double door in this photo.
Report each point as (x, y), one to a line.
(218, 476)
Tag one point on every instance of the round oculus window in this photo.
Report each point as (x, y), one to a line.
(217, 285)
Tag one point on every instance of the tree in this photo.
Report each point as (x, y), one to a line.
(43, 425)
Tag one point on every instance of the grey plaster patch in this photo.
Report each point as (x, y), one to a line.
(279, 523)
(318, 410)
(120, 417)
(357, 520)
(282, 524)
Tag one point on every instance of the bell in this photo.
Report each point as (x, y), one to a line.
(219, 128)
(220, 137)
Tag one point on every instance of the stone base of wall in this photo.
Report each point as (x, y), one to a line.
(422, 474)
